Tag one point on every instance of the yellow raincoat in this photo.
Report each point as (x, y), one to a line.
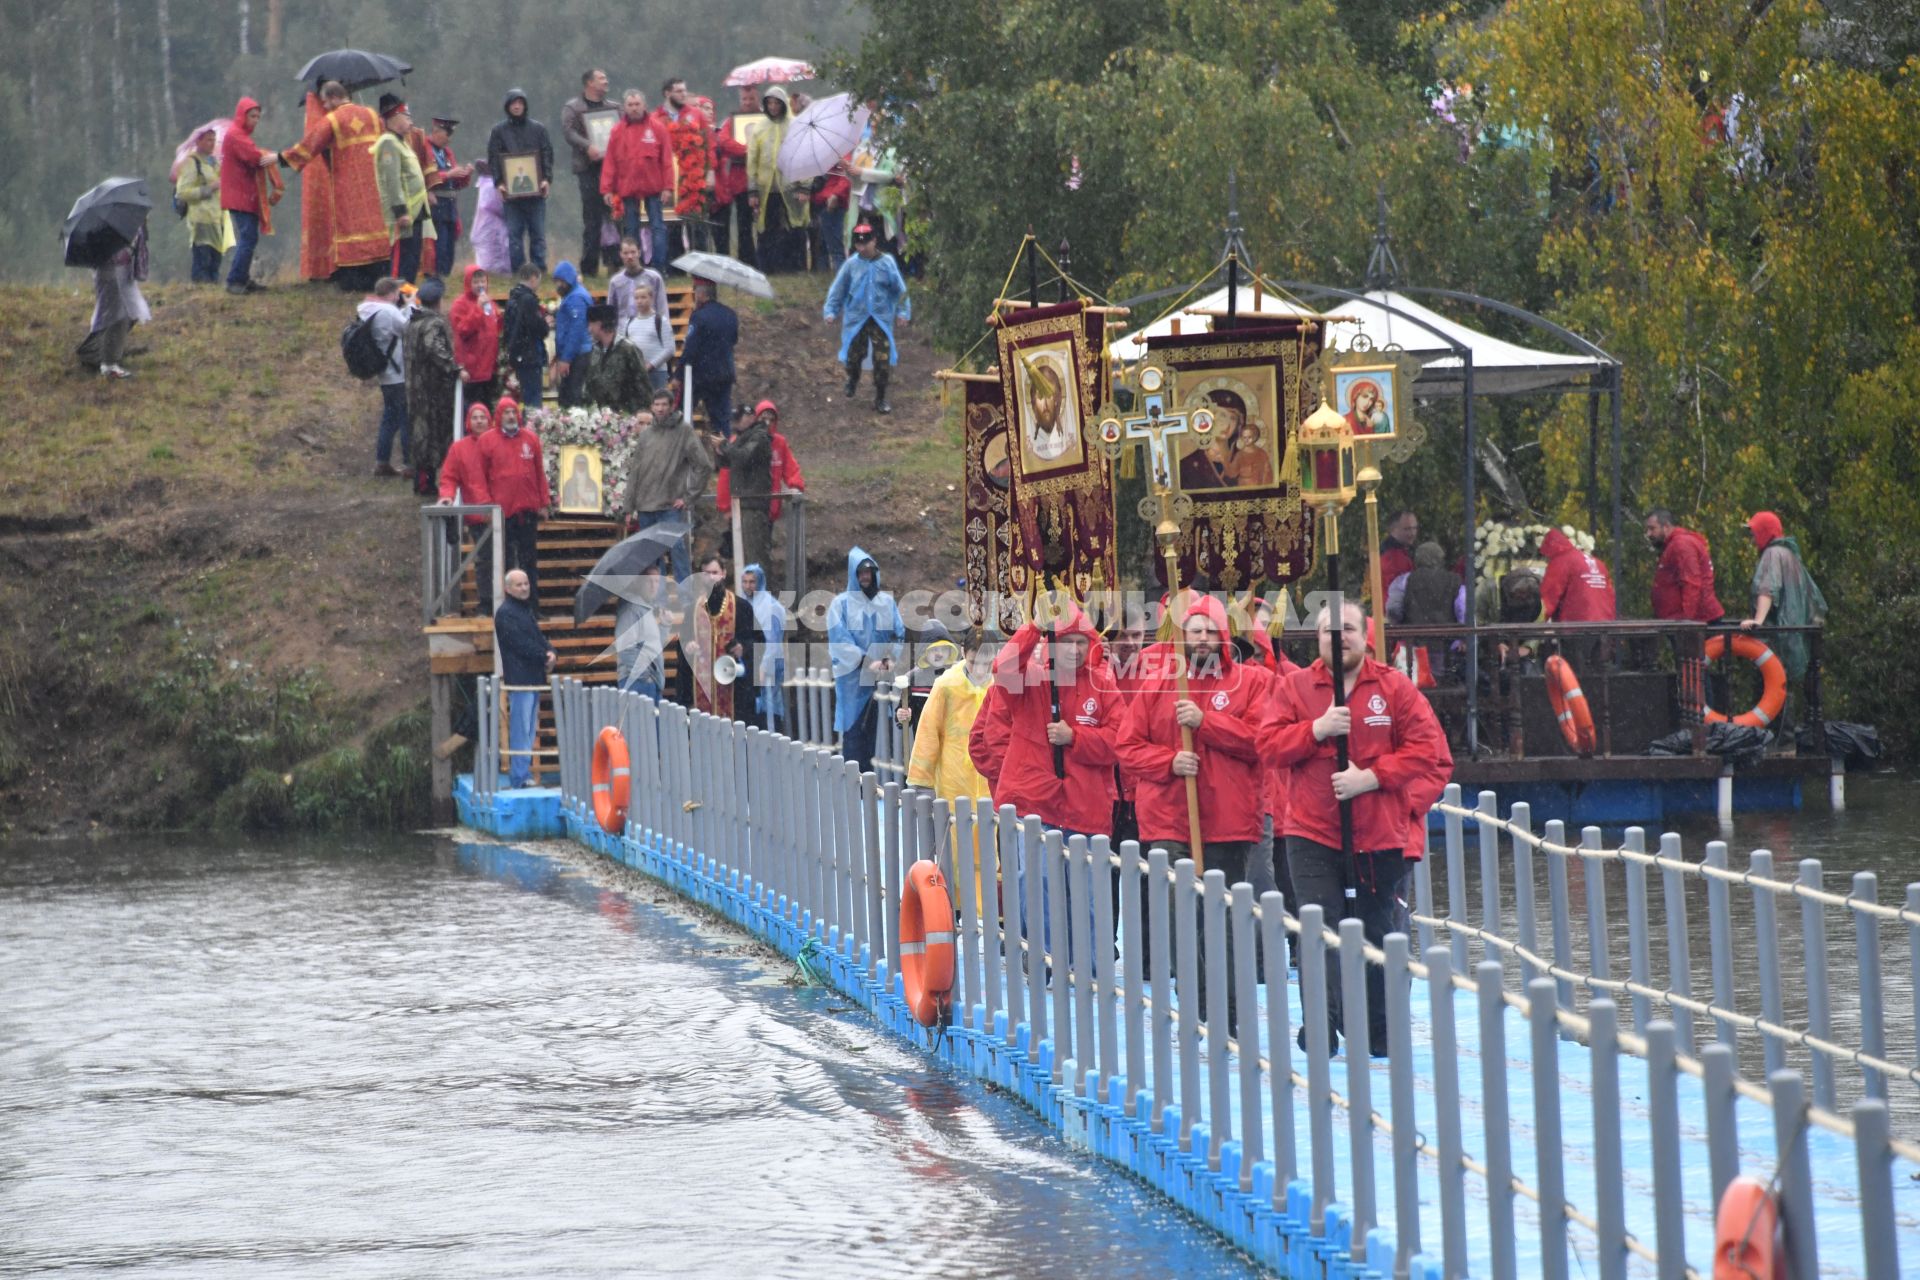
(764, 178)
(940, 760)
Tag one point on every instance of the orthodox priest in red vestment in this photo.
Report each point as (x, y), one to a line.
(342, 225)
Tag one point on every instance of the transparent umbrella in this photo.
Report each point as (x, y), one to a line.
(724, 270)
(821, 136)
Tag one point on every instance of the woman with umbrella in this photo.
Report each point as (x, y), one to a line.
(196, 185)
(107, 230)
(780, 205)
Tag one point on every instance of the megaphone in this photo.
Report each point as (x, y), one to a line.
(725, 669)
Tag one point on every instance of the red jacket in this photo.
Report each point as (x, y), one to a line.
(1683, 584)
(1577, 588)
(1009, 739)
(1395, 734)
(463, 475)
(834, 193)
(639, 160)
(1234, 704)
(476, 332)
(240, 164)
(1394, 561)
(786, 475)
(516, 472)
(729, 165)
(1274, 779)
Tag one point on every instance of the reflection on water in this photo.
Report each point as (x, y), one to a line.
(423, 1059)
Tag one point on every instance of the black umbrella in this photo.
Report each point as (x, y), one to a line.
(617, 575)
(105, 220)
(354, 68)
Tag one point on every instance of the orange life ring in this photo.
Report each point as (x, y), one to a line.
(612, 780)
(1746, 1243)
(1570, 706)
(1773, 680)
(926, 944)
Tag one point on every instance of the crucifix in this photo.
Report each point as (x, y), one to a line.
(1159, 423)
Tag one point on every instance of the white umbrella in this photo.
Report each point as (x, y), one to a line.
(821, 136)
(769, 71)
(724, 270)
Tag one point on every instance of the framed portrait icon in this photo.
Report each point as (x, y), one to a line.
(582, 488)
(1371, 397)
(599, 127)
(519, 177)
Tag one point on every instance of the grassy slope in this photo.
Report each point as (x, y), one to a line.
(189, 542)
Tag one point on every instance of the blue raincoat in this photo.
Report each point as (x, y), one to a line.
(571, 341)
(770, 700)
(859, 631)
(866, 291)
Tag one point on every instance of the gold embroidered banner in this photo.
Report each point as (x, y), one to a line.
(1248, 523)
(1052, 378)
(989, 506)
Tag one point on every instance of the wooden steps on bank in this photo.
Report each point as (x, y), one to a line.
(462, 644)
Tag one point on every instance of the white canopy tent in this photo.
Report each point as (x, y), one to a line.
(1389, 318)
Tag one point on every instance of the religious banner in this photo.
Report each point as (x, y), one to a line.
(1248, 524)
(989, 505)
(1052, 378)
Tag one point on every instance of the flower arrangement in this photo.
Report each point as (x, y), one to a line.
(603, 429)
(1500, 548)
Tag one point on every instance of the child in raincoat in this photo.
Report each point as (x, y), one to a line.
(941, 761)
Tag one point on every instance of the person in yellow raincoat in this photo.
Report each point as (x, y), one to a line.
(781, 207)
(940, 761)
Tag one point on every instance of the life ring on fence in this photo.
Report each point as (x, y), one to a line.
(1773, 680)
(1746, 1242)
(612, 780)
(926, 944)
(1570, 706)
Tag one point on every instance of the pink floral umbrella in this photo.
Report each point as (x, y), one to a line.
(769, 71)
(185, 149)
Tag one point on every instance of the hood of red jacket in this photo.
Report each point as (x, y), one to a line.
(1208, 607)
(1027, 637)
(240, 114)
(1556, 544)
(1765, 527)
(473, 269)
(478, 412)
(507, 405)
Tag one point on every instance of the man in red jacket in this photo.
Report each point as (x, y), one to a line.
(1683, 582)
(1398, 764)
(1014, 736)
(244, 170)
(476, 338)
(463, 480)
(638, 169)
(730, 203)
(1225, 706)
(1576, 588)
(517, 482)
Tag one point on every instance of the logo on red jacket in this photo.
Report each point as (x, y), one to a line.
(1090, 706)
(1377, 712)
(1220, 700)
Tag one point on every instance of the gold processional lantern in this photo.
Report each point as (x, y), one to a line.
(1328, 477)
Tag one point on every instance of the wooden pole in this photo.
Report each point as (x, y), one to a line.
(1369, 481)
(1167, 534)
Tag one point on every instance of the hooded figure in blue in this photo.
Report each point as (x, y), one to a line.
(770, 699)
(571, 341)
(864, 633)
(867, 295)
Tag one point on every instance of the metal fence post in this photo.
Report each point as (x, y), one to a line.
(1133, 944)
(1866, 950)
(877, 913)
(1247, 1032)
(1456, 877)
(1012, 917)
(1525, 908)
(1356, 1027)
(1610, 1210)
(1873, 1154)
(890, 870)
(986, 834)
(1219, 999)
(1543, 1023)
(1673, 885)
(1913, 959)
(1639, 946)
(1273, 937)
(1720, 941)
(1187, 972)
(1594, 872)
(1813, 943)
(1099, 889)
(1406, 1168)
(1718, 1068)
(1795, 1171)
(1033, 921)
(1488, 807)
(1159, 960)
(1313, 1019)
(969, 985)
(1054, 933)
(1446, 1084)
(1080, 957)
(1766, 932)
(1663, 1122)
(1560, 903)
(1494, 1109)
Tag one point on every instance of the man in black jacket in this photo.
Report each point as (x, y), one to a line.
(749, 461)
(586, 162)
(525, 659)
(707, 354)
(520, 134)
(523, 335)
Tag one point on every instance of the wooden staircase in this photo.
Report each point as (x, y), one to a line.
(570, 546)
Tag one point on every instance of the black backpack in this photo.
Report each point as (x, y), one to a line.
(361, 350)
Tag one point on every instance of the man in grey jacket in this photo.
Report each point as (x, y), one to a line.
(381, 310)
(586, 164)
(669, 467)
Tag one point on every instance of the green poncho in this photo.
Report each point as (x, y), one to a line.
(1782, 575)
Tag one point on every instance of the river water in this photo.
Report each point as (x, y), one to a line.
(420, 1058)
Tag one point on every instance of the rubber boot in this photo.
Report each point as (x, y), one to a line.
(853, 377)
(880, 376)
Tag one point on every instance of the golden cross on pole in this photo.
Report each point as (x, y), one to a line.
(1157, 419)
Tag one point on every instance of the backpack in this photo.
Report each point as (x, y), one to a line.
(361, 349)
(179, 205)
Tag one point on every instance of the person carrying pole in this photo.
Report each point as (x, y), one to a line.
(1398, 764)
